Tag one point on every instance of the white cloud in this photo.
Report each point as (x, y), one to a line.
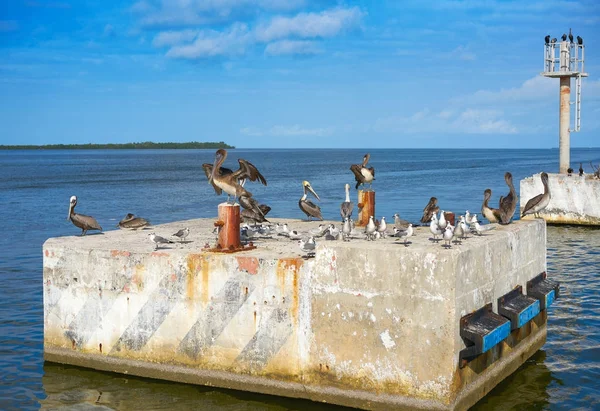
(195, 44)
(327, 23)
(288, 131)
(466, 121)
(298, 47)
(172, 38)
(210, 43)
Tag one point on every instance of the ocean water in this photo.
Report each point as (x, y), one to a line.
(169, 185)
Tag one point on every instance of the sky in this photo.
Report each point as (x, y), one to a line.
(291, 73)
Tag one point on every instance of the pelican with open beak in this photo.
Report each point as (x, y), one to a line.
(309, 208)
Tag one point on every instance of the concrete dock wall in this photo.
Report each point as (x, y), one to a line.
(365, 324)
(575, 199)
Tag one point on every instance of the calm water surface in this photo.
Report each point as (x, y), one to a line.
(164, 186)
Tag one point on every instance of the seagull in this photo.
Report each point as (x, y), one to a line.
(448, 234)
(434, 227)
(399, 223)
(182, 234)
(319, 231)
(467, 216)
(282, 230)
(308, 246)
(442, 220)
(346, 228)
(156, 239)
(580, 169)
(85, 222)
(333, 231)
(381, 229)
(370, 229)
(404, 233)
(553, 40)
(480, 229)
(464, 226)
(295, 235)
(459, 231)
(347, 206)
(579, 41)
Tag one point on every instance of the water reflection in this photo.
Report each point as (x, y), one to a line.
(69, 387)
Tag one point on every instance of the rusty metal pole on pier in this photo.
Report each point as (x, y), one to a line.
(229, 233)
(366, 207)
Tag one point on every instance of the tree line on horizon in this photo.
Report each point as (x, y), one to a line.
(142, 145)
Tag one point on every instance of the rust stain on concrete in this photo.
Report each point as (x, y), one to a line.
(205, 268)
(292, 265)
(159, 254)
(47, 253)
(117, 253)
(138, 276)
(194, 264)
(248, 264)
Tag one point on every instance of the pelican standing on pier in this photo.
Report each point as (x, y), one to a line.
(430, 209)
(540, 201)
(492, 214)
(308, 207)
(362, 174)
(85, 222)
(508, 204)
(232, 182)
(347, 206)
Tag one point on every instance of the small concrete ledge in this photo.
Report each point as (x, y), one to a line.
(366, 324)
(575, 200)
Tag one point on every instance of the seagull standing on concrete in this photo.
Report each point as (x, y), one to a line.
(370, 229)
(182, 234)
(434, 227)
(442, 220)
(381, 229)
(156, 239)
(308, 246)
(448, 234)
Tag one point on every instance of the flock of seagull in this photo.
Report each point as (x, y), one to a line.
(256, 224)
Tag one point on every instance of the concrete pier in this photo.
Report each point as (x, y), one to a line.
(574, 199)
(374, 325)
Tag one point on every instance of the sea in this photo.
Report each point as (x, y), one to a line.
(170, 185)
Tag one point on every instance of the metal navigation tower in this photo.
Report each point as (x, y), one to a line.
(568, 63)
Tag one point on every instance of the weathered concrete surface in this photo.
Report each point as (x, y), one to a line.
(574, 199)
(365, 324)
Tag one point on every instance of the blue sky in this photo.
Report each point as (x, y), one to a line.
(290, 73)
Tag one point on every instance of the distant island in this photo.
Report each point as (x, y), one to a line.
(123, 146)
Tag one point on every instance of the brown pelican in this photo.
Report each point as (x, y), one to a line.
(508, 204)
(84, 222)
(493, 215)
(430, 209)
(232, 182)
(253, 217)
(131, 222)
(309, 208)
(362, 174)
(182, 234)
(540, 201)
(570, 36)
(347, 206)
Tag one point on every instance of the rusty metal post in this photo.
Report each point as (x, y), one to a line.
(564, 120)
(366, 207)
(229, 235)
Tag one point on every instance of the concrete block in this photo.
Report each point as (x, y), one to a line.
(372, 325)
(575, 199)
